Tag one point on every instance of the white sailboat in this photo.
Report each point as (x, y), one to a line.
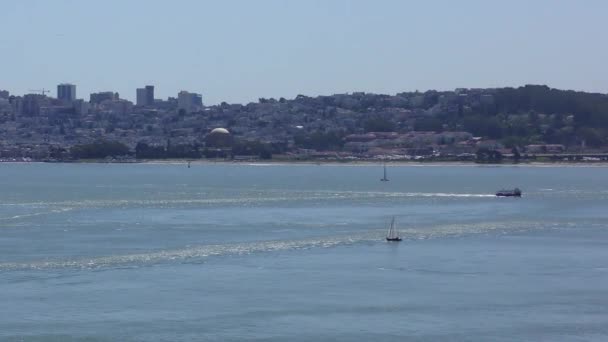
(393, 233)
(384, 179)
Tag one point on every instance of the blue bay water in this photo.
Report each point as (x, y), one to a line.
(220, 252)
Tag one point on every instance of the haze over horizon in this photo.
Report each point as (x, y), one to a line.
(238, 51)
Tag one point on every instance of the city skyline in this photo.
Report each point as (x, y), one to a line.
(145, 96)
(237, 51)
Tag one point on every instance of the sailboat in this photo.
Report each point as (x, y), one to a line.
(384, 179)
(393, 234)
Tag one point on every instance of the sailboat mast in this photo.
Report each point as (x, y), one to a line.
(393, 235)
(384, 179)
(395, 232)
(391, 231)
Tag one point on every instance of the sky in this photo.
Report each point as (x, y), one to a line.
(240, 50)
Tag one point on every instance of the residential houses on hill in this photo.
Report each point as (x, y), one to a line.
(360, 125)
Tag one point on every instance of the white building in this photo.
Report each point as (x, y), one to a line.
(189, 102)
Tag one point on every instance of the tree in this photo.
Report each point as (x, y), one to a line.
(429, 124)
(320, 141)
(99, 149)
(145, 151)
(378, 125)
(591, 136)
(485, 155)
(252, 148)
(485, 127)
(516, 154)
(183, 151)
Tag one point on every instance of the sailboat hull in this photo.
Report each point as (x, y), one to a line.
(397, 239)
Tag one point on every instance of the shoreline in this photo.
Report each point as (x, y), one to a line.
(271, 162)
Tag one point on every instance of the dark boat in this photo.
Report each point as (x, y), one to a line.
(509, 193)
(393, 234)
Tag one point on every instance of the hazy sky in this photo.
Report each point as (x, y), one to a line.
(238, 51)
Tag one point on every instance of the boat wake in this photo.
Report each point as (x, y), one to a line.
(252, 199)
(198, 254)
(188, 254)
(49, 212)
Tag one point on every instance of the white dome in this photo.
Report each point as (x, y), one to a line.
(220, 131)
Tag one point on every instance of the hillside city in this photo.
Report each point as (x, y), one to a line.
(484, 125)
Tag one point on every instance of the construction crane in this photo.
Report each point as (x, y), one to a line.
(41, 91)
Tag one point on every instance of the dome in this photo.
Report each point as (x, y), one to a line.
(219, 131)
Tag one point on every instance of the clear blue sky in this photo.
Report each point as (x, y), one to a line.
(238, 51)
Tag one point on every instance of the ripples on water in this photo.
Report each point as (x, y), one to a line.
(269, 197)
(199, 253)
(247, 252)
(235, 252)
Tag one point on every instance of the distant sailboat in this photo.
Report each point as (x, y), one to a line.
(188, 164)
(393, 234)
(384, 179)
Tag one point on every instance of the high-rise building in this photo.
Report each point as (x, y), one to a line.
(66, 92)
(4, 94)
(145, 96)
(189, 102)
(31, 104)
(149, 95)
(141, 97)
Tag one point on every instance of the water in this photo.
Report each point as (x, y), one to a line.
(101, 252)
